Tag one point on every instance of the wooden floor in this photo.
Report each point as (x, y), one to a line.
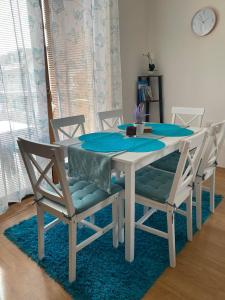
(200, 271)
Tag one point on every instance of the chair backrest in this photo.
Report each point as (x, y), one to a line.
(215, 135)
(43, 186)
(75, 122)
(195, 116)
(190, 154)
(110, 119)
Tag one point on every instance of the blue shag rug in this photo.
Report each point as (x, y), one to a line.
(102, 272)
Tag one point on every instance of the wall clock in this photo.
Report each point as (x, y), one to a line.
(204, 21)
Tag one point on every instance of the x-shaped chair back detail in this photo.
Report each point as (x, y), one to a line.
(190, 149)
(59, 126)
(42, 184)
(215, 135)
(110, 119)
(196, 116)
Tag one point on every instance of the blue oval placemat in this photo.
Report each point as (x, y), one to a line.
(125, 144)
(144, 145)
(169, 130)
(163, 129)
(99, 135)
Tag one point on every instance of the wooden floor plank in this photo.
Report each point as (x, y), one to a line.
(200, 271)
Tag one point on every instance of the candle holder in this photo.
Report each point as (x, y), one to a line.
(131, 131)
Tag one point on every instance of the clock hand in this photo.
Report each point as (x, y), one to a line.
(205, 20)
(201, 19)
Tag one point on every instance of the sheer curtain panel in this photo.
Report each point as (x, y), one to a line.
(23, 101)
(83, 46)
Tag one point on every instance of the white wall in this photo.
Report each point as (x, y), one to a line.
(193, 67)
(133, 42)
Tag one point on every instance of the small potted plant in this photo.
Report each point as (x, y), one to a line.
(139, 117)
(151, 65)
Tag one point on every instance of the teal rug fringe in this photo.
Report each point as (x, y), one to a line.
(102, 272)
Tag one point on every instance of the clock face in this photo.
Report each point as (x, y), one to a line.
(204, 21)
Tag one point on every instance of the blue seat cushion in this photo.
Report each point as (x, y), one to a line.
(168, 163)
(85, 194)
(152, 183)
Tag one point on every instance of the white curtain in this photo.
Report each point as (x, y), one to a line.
(84, 57)
(23, 102)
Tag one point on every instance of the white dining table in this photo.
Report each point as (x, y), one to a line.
(129, 163)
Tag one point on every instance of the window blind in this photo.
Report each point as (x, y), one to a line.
(23, 105)
(82, 38)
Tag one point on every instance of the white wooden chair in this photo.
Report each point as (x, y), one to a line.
(165, 191)
(169, 163)
(59, 129)
(110, 119)
(59, 125)
(195, 114)
(207, 168)
(58, 201)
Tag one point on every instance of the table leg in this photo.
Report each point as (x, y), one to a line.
(129, 212)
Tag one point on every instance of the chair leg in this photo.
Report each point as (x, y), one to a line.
(40, 217)
(189, 218)
(171, 238)
(212, 191)
(72, 250)
(198, 188)
(115, 220)
(120, 212)
(121, 219)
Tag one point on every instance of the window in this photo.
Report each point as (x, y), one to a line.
(82, 40)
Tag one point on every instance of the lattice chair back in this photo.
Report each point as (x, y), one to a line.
(33, 153)
(194, 116)
(191, 150)
(73, 123)
(215, 136)
(110, 119)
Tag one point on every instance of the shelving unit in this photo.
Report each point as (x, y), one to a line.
(156, 112)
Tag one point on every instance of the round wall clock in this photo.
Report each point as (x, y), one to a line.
(204, 21)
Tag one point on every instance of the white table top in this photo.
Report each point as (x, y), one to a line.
(139, 158)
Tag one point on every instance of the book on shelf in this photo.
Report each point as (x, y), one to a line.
(144, 91)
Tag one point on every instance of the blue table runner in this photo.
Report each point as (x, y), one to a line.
(90, 166)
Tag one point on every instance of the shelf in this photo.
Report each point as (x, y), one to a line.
(155, 82)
